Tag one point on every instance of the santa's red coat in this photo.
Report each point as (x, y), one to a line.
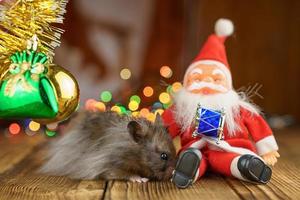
(254, 134)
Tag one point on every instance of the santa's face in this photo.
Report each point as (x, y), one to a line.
(206, 80)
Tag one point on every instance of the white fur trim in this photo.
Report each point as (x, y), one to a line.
(224, 27)
(266, 145)
(198, 144)
(225, 146)
(209, 62)
(234, 169)
(197, 175)
(221, 146)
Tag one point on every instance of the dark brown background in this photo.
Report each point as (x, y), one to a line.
(264, 49)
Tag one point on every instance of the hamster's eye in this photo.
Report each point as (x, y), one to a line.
(164, 156)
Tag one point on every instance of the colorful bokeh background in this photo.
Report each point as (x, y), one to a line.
(130, 56)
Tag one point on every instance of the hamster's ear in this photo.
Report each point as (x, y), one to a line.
(135, 130)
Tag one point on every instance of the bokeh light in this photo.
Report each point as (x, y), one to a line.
(164, 98)
(157, 105)
(128, 112)
(167, 105)
(135, 113)
(52, 126)
(135, 98)
(123, 109)
(133, 105)
(34, 126)
(176, 86)
(14, 128)
(144, 112)
(26, 122)
(89, 104)
(106, 96)
(166, 72)
(116, 109)
(29, 132)
(159, 111)
(148, 91)
(151, 117)
(100, 106)
(169, 89)
(50, 133)
(125, 74)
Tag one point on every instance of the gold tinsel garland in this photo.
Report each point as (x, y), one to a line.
(20, 20)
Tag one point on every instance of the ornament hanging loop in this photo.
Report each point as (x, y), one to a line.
(32, 44)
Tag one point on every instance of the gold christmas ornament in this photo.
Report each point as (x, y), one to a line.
(67, 93)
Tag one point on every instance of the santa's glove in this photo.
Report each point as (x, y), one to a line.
(254, 169)
(186, 168)
(271, 157)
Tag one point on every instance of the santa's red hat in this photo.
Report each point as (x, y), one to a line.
(213, 52)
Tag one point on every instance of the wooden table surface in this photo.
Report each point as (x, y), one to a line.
(20, 156)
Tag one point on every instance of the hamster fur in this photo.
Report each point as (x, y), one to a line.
(107, 145)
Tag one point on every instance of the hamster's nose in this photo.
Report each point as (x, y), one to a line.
(168, 173)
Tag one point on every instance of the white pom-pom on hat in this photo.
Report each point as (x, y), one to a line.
(224, 27)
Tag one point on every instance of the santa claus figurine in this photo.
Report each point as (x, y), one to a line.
(248, 145)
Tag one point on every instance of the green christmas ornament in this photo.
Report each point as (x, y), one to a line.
(25, 90)
(31, 86)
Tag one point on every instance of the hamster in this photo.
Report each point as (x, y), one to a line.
(107, 145)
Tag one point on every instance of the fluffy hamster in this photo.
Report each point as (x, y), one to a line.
(109, 146)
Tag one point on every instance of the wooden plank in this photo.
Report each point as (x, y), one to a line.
(23, 182)
(210, 187)
(44, 187)
(15, 148)
(285, 182)
(288, 142)
(19, 179)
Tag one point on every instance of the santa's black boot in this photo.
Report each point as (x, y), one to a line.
(254, 169)
(186, 167)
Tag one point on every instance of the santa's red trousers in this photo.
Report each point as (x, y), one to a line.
(217, 161)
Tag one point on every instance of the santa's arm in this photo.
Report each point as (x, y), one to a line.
(260, 131)
(169, 122)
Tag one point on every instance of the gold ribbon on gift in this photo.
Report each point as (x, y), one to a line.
(13, 80)
(22, 64)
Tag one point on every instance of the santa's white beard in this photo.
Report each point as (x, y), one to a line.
(186, 104)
